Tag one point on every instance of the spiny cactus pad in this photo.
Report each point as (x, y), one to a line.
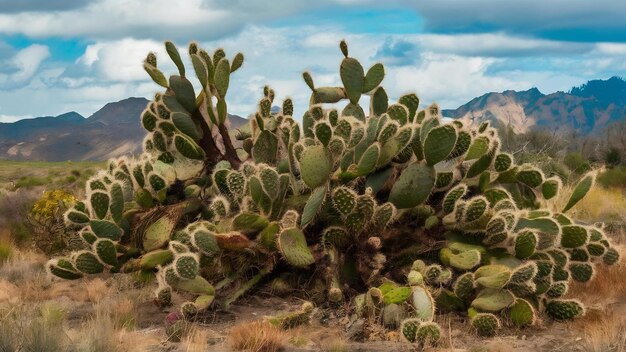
(354, 205)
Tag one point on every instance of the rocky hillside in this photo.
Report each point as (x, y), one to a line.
(587, 109)
(112, 131)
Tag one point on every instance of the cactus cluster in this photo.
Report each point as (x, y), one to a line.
(394, 210)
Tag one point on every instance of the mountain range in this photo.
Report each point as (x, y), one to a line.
(587, 109)
(115, 129)
(112, 131)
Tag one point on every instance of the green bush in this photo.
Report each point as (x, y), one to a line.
(29, 182)
(390, 209)
(6, 251)
(615, 177)
(577, 163)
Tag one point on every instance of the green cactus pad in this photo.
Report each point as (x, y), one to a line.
(265, 148)
(478, 148)
(205, 242)
(428, 333)
(185, 94)
(522, 313)
(337, 237)
(99, 203)
(439, 143)
(294, 319)
(344, 200)
(423, 303)
(502, 162)
(117, 202)
(315, 166)
(454, 194)
(155, 258)
(408, 328)
(175, 56)
(475, 209)
(493, 300)
(486, 324)
(573, 236)
(495, 195)
(353, 78)
(558, 289)
(323, 133)
(106, 252)
(367, 164)
(373, 77)
(447, 301)
(462, 145)
(397, 295)
(312, 206)
(464, 286)
(186, 266)
(413, 186)
(564, 309)
(63, 268)
(581, 272)
(87, 262)
(222, 77)
(414, 278)
(531, 177)
(611, 257)
(465, 260)
(550, 187)
(158, 233)
(106, 229)
(188, 148)
(524, 273)
(580, 191)
(292, 245)
(77, 217)
(525, 244)
(492, 276)
(185, 124)
(596, 249)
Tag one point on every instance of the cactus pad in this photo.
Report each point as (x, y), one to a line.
(486, 324)
(293, 246)
(315, 166)
(564, 309)
(413, 187)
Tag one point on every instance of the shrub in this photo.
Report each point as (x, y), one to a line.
(615, 177)
(46, 220)
(576, 162)
(416, 215)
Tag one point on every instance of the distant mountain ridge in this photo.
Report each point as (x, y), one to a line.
(112, 131)
(115, 130)
(587, 109)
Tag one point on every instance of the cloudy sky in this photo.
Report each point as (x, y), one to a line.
(63, 55)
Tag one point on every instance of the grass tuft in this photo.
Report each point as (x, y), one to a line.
(257, 336)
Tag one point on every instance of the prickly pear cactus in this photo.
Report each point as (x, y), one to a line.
(418, 214)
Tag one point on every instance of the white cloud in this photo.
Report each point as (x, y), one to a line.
(446, 69)
(119, 60)
(23, 65)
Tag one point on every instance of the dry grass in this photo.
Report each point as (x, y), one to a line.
(196, 340)
(98, 334)
(600, 204)
(123, 311)
(335, 344)
(603, 330)
(607, 286)
(22, 265)
(257, 336)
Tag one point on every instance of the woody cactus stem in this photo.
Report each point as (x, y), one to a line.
(418, 214)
